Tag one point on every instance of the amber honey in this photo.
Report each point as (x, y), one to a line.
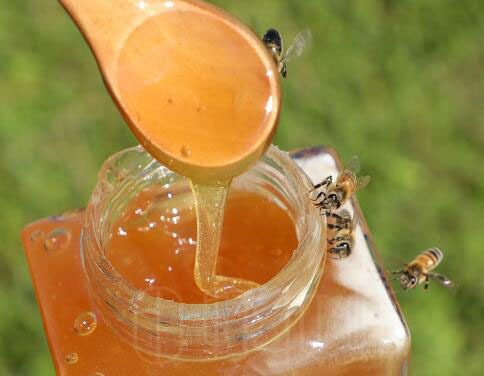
(153, 243)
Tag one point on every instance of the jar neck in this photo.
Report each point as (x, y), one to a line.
(202, 331)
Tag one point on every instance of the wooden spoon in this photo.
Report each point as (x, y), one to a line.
(198, 89)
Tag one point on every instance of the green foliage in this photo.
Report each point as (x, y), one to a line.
(398, 83)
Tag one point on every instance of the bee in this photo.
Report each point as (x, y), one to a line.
(273, 41)
(347, 183)
(342, 228)
(419, 270)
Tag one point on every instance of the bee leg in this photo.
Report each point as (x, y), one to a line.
(284, 71)
(318, 196)
(427, 281)
(325, 182)
(395, 274)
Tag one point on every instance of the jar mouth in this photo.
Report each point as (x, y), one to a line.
(258, 310)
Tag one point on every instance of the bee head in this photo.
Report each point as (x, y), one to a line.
(408, 280)
(332, 201)
(272, 39)
(342, 250)
(345, 249)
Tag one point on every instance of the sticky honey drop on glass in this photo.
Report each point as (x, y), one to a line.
(85, 324)
(57, 239)
(72, 358)
(36, 235)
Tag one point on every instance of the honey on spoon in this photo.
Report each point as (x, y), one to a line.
(200, 92)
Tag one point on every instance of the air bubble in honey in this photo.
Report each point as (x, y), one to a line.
(57, 239)
(85, 323)
(36, 235)
(72, 358)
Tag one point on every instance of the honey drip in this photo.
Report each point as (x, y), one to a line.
(210, 205)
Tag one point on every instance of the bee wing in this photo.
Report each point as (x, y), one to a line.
(353, 164)
(362, 182)
(443, 280)
(354, 222)
(297, 46)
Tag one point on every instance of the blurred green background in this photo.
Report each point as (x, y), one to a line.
(399, 83)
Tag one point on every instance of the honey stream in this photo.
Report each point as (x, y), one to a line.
(210, 206)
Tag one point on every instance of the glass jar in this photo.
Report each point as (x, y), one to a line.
(302, 322)
(202, 331)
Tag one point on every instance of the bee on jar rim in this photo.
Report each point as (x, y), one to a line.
(341, 226)
(274, 43)
(419, 270)
(336, 194)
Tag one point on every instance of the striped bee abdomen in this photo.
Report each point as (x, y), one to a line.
(431, 257)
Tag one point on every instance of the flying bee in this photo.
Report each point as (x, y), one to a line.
(336, 194)
(419, 270)
(273, 41)
(342, 228)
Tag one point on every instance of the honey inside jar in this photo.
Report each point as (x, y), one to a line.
(153, 242)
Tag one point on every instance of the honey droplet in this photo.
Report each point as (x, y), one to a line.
(57, 239)
(36, 235)
(72, 358)
(186, 152)
(85, 324)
